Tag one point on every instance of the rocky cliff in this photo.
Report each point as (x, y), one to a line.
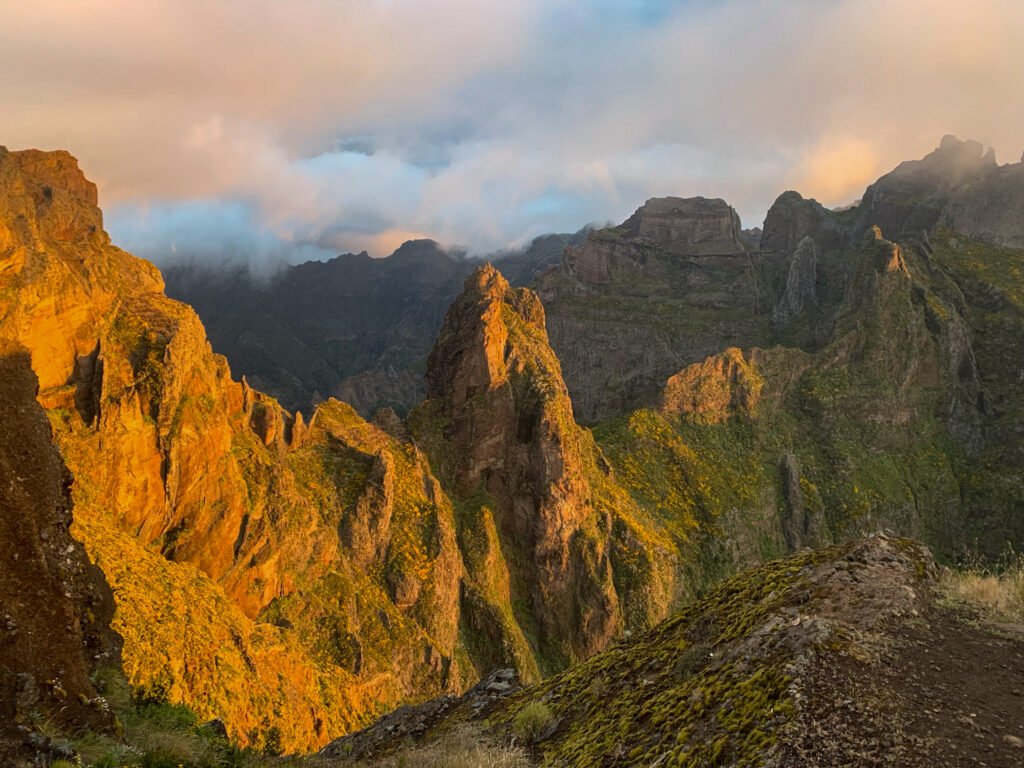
(532, 480)
(690, 227)
(55, 605)
(208, 505)
(801, 282)
(633, 304)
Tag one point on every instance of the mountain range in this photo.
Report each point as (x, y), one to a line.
(355, 328)
(451, 472)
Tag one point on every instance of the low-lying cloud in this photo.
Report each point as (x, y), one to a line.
(266, 130)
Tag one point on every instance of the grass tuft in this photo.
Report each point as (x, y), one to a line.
(999, 592)
(531, 721)
(463, 748)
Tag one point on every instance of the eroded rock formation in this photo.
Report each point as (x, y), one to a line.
(801, 282)
(711, 391)
(512, 439)
(250, 510)
(634, 304)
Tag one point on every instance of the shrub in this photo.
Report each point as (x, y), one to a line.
(532, 720)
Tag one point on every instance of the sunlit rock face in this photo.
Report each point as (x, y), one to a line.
(211, 509)
(709, 392)
(133, 366)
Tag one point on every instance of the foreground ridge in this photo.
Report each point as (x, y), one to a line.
(820, 659)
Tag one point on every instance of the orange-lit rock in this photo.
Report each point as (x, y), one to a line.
(709, 392)
(173, 458)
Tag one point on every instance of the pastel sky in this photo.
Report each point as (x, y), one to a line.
(264, 129)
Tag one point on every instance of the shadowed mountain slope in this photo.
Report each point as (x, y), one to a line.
(55, 606)
(354, 327)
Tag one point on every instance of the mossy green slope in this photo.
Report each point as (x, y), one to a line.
(718, 683)
(883, 426)
(986, 284)
(672, 693)
(722, 682)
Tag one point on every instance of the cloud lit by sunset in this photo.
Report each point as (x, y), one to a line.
(302, 129)
(837, 170)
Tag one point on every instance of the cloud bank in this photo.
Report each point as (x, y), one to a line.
(266, 130)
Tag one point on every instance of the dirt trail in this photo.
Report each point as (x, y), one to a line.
(946, 691)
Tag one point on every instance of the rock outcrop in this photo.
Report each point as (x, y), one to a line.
(674, 227)
(511, 439)
(694, 226)
(719, 681)
(723, 385)
(792, 218)
(801, 282)
(413, 722)
(55, 605)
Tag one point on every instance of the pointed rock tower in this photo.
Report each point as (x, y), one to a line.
(516, 451)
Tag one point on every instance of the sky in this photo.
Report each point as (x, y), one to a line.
(264, 130)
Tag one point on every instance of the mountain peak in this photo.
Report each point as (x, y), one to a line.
(486, 281)
(51, 195)
(511, 438)
(693, 225)
(470, 351)
(952, 162)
